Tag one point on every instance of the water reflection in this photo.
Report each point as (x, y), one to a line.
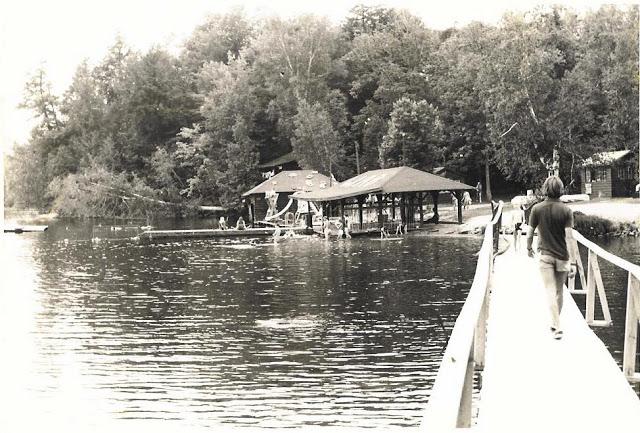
(205, 332)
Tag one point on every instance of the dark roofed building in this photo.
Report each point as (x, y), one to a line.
(610, 174)
(284, 184)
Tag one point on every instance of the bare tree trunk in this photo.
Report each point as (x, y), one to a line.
(487, 181)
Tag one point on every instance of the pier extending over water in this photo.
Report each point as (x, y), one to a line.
(529, 381)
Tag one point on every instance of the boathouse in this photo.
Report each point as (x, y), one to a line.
(387, 198)
(270, 201)
(610, 174)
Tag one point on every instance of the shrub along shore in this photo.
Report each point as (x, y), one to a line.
(597, 226)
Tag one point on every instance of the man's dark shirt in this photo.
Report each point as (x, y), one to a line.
(551, 217)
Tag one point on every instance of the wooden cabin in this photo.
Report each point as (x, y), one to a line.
(277, 190)
(386, 198)
(609, 174)
(448, 173)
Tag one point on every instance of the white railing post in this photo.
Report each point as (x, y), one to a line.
(631, 330)
(466, 400)
(591, 290)
(594, 281)
(571, 283)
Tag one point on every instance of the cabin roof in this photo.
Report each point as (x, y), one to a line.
(389, 180)
(288, 157)
(605, 158)
(291, 181)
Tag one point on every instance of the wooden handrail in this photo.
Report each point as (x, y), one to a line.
(450, 402)
(593, 281)
(611, 258)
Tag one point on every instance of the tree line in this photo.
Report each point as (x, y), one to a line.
(378, 90)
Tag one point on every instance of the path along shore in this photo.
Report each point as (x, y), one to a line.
(620, 210)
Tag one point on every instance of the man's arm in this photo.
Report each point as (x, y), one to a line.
(532, 223)
(530, 240)
(572, 246)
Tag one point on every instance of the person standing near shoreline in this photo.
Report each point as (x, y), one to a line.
(554, 222)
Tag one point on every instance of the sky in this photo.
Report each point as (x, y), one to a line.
(60, 34)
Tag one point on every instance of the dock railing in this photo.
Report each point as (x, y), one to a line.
(449, 406)
(591, 282)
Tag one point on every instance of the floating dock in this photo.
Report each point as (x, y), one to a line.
(25, 229)
(532, 382)
(215, 233)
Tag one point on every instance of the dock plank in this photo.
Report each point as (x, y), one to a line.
(213, 233)
(532, 382)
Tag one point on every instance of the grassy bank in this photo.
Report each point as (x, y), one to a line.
(594, 226)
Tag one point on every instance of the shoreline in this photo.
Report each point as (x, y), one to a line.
(599, 217)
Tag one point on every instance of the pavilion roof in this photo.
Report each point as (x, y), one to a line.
(291, 181)
(389, 180)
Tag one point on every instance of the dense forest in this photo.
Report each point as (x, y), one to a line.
(380, 89)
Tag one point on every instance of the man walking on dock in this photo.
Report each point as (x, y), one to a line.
(554, 222)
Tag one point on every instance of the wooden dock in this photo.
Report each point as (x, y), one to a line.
(528, 380)
(535, 383)
(25, 229)
(213, 233)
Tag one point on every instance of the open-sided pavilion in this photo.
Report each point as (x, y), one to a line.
(385, 191)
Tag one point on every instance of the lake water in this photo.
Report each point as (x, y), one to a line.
(109, 333)
(211, 332)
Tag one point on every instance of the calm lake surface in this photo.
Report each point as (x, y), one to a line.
(196, 334)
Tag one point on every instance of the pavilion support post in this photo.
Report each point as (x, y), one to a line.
(342, 220)
(252, 212)
(420, 197)
(309, 218)
(393, 206)
(434, 196)
(412, 213)
(458, 195)
(360, 201)
(403, 208)
(380, 218)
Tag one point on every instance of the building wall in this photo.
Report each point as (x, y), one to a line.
(620, 180)
(600, 180)
(261, 205)
(624, 178)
